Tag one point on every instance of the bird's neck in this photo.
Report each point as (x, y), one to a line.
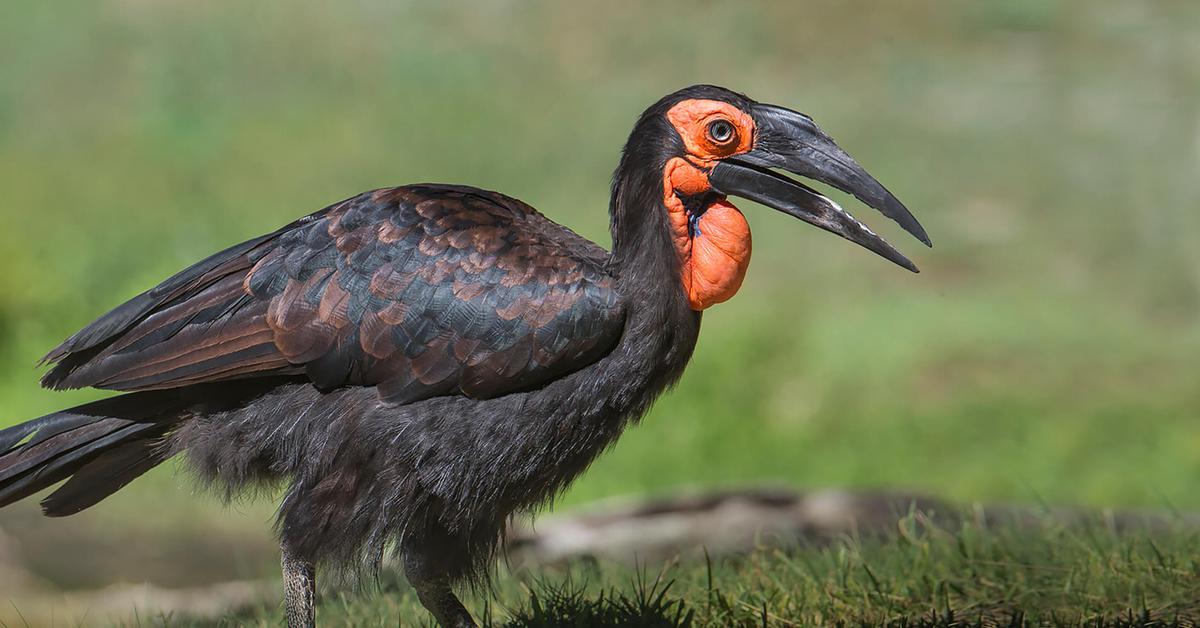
(674, 229)
(661, 325)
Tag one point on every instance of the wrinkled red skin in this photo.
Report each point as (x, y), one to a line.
(713, 262)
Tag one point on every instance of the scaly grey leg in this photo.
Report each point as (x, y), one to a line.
(433, 589)
(299, 590)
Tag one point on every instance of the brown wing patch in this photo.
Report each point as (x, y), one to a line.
(421, 291)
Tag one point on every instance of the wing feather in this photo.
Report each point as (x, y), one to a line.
(420, 291)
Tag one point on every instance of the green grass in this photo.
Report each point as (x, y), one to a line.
(1048, 351)
(921, 575)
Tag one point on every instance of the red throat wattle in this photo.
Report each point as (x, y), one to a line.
(714, 256)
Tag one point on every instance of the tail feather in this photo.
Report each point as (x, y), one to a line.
(100, 446)
(104, 476)
(40, 429)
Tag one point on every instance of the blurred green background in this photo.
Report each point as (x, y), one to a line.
(1049, 351)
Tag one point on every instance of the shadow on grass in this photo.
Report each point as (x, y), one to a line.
(568, 605)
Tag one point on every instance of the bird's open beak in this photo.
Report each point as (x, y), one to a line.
(791, 141)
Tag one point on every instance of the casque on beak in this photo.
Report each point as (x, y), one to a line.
(791, 141)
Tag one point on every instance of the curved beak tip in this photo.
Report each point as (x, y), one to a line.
(898, 212)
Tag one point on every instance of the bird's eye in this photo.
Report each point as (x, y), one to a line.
(721, 131)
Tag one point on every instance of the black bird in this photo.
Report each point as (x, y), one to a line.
(417, 364)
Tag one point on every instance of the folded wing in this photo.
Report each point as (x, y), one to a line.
(420, 290)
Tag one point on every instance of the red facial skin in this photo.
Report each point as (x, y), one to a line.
(714, 262)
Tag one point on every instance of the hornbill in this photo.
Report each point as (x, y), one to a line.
(416, 364)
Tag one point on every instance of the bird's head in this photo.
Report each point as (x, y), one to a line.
(711, 143)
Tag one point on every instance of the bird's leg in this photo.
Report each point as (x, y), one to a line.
(433, 589)
(299, 589)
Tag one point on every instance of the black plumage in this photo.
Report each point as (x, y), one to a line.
(414, 364)
(420, 290)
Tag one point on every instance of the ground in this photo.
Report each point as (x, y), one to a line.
(921, 575)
